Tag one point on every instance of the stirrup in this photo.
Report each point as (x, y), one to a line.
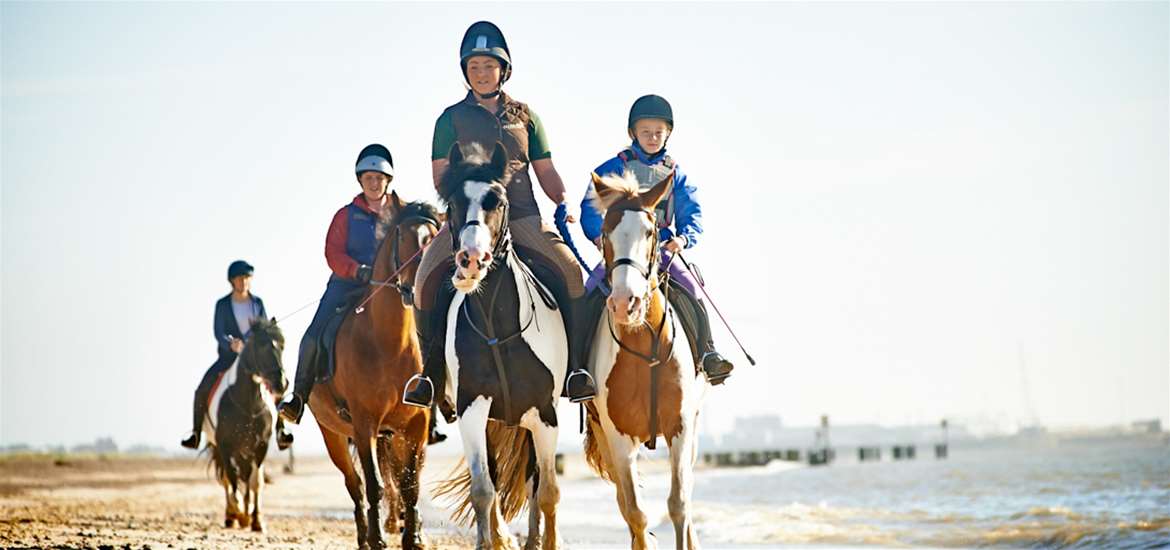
(406, 390)
(286, 412)
(591, 382)
(718, 378)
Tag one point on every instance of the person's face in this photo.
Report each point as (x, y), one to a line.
(483, 73)
(651, 134)
(374, 185)
(242, 284)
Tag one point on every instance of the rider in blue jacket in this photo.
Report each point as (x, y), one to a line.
(680, 224)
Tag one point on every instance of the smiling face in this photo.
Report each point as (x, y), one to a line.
(483, 73)
(651, 134)
(374, 185)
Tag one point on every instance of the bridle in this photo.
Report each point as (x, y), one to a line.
(397, 266)
(503, 242)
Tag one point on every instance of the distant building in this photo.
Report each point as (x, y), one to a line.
(1148, 426)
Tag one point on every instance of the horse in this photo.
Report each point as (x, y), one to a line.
(648, 383)
(376, 352)
(506, 352)
(239, 422)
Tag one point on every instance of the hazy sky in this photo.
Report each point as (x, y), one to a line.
(905, 202)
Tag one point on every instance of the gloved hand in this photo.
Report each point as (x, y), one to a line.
(364, 272)
(561, 215)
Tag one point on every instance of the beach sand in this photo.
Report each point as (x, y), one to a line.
(138, 502)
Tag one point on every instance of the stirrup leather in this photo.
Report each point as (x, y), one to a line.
(592, 382)
(406, 389)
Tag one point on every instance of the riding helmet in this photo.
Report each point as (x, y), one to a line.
(485, 38)
(375, 157)
(651, 106)
(239, 267)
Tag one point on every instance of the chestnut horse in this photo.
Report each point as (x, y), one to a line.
(648, 384)
(377, 351)
(506, 352)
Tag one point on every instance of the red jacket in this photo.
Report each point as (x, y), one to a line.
(335, 240)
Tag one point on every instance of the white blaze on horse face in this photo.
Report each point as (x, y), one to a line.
(629, 240)
(474, 241)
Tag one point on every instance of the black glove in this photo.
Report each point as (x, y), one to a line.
(364, 272)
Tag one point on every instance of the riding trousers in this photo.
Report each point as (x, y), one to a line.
(678, 272)
(528, 233)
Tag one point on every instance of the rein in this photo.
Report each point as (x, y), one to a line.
(407, 291)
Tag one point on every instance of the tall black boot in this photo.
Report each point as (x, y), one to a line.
(585, 312)
(202, 393)
(432, 333)
(697, 325)
(306, 377)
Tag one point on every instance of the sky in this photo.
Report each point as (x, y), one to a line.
(913, 211)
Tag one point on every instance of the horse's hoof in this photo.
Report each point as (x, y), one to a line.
(245, 520)
(229, 522)
(257, 526)
(416, 542)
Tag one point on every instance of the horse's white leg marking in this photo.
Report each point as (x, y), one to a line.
(473, 429)
(548, 494)
(546, 336)
(682, 454)
(624, 454)
(502, 539)
(257, 496)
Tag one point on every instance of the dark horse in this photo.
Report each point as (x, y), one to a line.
(507, 352)
(376, 352)
(239, 422)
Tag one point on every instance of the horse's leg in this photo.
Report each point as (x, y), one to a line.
(389, 471)
(473, 429)
(623, 456)
(533, 540)
(229, 518)
(257, 494)
(682, 463)
(502, 539)
(548, 494)
(338, 449)
(246, 473)
(365, 432)
(409, 451)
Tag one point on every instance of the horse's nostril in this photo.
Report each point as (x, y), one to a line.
(486, 259)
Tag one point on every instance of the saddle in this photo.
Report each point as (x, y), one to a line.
(326, 343)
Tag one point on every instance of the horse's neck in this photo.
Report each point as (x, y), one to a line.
(244, 389)
(387, 315)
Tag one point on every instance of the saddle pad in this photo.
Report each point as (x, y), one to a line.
(225, 380)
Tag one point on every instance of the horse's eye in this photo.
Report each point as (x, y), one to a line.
(491, 201)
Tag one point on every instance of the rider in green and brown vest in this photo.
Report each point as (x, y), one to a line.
(485, 116)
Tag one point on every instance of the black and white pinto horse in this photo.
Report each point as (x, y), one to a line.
(239, 422)
(506, 352)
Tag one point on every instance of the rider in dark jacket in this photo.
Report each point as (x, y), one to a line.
(234, 314)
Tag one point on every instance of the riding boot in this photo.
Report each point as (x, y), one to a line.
(432, 332)
(202, 394)
(585, 314)
(306, 377)
(696, 323)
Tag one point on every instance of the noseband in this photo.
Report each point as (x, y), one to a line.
(503, 241)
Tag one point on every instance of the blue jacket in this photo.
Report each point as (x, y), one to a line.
(688, 215)
(225, 324)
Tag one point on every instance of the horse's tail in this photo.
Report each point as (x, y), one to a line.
(510, 451)
(213, 460)
(594, 456)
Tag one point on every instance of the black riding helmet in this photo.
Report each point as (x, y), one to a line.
(651, 106)
(374, 157)
(485, 38)
(239, 267)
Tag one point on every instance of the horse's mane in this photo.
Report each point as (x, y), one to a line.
(476, 166)
(624, 186)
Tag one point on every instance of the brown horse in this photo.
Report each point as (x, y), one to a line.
(648, 385)
(377, 351)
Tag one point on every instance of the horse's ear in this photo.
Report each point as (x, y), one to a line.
(655, 194)
(499, 160)
(395, 202)
(603, 193)
(455, 154)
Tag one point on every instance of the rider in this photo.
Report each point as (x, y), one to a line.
(350, 247)
(234, 314)
(487, 115)
(679, 218)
